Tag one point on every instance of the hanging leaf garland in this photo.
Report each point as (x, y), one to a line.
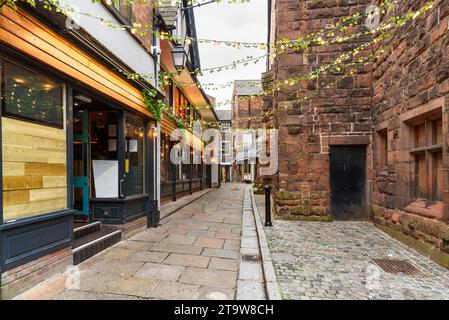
(153, 104)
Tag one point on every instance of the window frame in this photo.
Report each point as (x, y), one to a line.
(116, 12)
(382, 148)
(7, 114)
(429, 150)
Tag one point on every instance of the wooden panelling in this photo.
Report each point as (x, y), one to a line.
(22, 183)
(47, 194)
(19, 211)
(34, 169)
(11, 169)
(55, 182)
(45, 169)
(16, 197)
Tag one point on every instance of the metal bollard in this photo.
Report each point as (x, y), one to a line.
(268, 207)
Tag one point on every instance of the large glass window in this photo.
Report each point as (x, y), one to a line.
(124, 7)
(134, 155)
(34, 154)
(31, 95)
(165, 160)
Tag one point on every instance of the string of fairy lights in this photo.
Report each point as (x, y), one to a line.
(358, 62)
(324, 37)
(276, 48)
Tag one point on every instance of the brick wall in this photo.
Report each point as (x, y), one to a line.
(305, 127)
(143, 14)
(26, 276)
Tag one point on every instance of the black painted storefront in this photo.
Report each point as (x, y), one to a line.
(28, 239)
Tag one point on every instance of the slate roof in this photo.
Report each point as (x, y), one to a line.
(248, 87)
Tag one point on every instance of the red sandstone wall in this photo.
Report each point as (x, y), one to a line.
(246, 107)
(411, 78)
(304, 129)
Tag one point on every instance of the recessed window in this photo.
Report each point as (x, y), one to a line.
(30, 95)
(382, 147)
(124, 7)
(427, 152)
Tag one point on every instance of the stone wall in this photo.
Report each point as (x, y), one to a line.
(305, 127)
(398, 107)
(411, 84)
(245, 107)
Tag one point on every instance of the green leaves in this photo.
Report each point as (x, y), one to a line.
(153, 104)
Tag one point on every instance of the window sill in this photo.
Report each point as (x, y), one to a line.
(432, 148)
(434, 210)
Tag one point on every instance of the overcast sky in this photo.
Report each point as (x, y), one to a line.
(245, 22)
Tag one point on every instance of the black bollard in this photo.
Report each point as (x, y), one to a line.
(153, 214)
(268, 207)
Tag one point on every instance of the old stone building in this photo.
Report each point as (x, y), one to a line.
(371, 143)
(246, 107)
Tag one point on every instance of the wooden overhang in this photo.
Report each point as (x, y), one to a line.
(19, 30)
(195, 95)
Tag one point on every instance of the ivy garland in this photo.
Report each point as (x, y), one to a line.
(157, 108)
(179, 123)
(153, 104)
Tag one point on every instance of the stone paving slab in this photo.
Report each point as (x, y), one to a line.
(314, 260)
(184, 258)
(209, 277)
(187, 260)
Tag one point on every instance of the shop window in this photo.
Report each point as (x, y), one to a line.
(177, 102)
(104, 155)
(165, 160)
(427, 152)
(134, 151)
(32, 96)
(34, 154)
(168, 87)
(382, 148)
(124, 8)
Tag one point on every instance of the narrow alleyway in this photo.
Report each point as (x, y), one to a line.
(194, 254)
(335, 260)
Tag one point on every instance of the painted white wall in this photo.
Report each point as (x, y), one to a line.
(119, 42)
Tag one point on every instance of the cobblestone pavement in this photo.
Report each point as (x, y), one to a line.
(194, 254)
(335, 261)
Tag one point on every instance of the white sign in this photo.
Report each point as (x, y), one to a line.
(105, 178)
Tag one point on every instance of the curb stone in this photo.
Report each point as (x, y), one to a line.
(271, 284)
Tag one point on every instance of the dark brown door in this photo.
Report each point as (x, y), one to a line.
(348, 178)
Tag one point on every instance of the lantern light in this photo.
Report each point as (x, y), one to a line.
(179, 58)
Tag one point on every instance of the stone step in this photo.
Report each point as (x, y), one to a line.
(86, 229)
(93, 243)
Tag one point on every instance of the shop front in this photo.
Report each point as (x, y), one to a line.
(77, 145)
(113, 152)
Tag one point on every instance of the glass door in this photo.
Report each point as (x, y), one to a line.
(80, 162)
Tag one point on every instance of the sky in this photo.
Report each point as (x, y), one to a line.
(232, 22)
